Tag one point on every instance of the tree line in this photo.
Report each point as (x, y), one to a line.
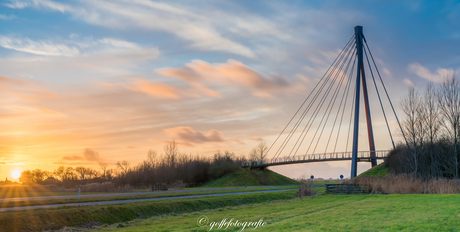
(431, 126)
(169, 167)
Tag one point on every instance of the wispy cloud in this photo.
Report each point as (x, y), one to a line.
(186, 134)
(85, 46)
(7, 17)
(156, 89)
(37, 47)
(439, 76)
(147, 15)
(232, 73)
(15, 4)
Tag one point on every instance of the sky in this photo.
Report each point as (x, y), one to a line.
(90, 81)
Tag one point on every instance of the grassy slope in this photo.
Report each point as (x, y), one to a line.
(423, 212)
(121, 197)
(244, 177)
(379, 170)
(56, 218)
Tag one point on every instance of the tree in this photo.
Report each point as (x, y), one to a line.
(449, 105)
(69, 174)
(432, 123)
(26, 177)
(171, 153)
(412, 124)
(123, 166)
(59, 173)
(259, 152)
(81, 172)
(104, 167)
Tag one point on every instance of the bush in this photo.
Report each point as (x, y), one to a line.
(407, 184)
(306, 189)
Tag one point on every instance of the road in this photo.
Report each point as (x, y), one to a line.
(138, 200)
(130, 193)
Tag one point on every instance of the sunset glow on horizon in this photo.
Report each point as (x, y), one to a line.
(89, 82)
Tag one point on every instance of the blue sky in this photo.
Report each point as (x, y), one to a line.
(122, 77)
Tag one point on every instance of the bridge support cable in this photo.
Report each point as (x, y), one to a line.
(331, 107)
(320, 82)
(351, 118)
(380, 100)
(344, 107)
(319, 106)
(327, 76)
(386, 92)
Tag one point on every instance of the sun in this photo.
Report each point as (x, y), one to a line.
(16, 174)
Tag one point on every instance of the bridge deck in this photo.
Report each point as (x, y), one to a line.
(337, 156)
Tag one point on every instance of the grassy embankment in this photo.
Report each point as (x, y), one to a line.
(244, 177)
(124, 197)
(377, 171)
(408, 212)
(56, 218)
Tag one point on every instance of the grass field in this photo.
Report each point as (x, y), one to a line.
(86, 216)
(124, 197)
(323, 213)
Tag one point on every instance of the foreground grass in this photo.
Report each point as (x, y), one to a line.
(125, 197)
(325, 213)
(85, 216)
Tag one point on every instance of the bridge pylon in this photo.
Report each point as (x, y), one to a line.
(361, 76)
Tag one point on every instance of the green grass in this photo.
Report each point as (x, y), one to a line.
(379, 170)
(57, 218)
(244, 177)
(324, 213)
(122, 197)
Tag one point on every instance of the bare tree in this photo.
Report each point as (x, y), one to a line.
(59, 173)
(411, 124)
(171, 153)
(259, 152)
(81, 172)
(104, 167)
(431, 121)
(449, 105)
(123, 166)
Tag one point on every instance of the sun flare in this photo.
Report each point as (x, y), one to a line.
(16, 174)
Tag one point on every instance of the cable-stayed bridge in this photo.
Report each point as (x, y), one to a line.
(321, 128)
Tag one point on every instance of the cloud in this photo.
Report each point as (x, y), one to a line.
(151, 16)
(256, 138)
(37, 47)
(439, 76)
(85, 47)
(88, 155)
(16, 4)
(198, 73)
(408, 83)
(187, 134)
(155, 89)
(74, 157)
(7, 17)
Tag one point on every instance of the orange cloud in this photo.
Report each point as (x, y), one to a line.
(232, 73)
(88, 155)
(155, 89)
(187, 134)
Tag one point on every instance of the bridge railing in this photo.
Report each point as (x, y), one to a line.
(319, 157)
